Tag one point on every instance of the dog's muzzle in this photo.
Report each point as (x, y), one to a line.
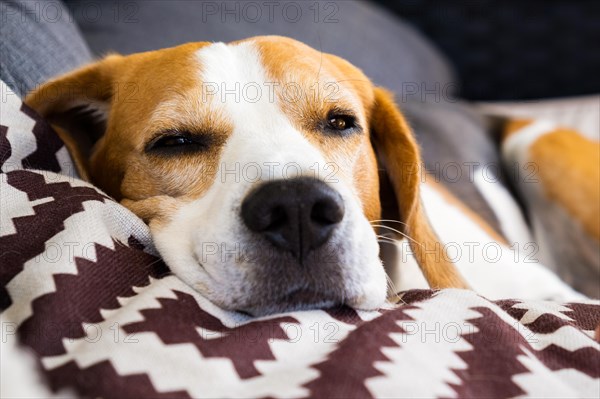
(297, 215)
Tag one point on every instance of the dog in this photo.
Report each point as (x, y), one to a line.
(256, 165)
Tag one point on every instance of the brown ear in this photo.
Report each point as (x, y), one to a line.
(399, 152)
(77, 105)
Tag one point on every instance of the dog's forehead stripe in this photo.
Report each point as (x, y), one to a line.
(226, 73)
(262, 132)
(230, 75)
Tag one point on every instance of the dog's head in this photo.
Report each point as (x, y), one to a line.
(254, 163)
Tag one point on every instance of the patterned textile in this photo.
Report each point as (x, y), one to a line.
(84, 289)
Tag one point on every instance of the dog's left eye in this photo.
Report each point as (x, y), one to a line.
(340, 123)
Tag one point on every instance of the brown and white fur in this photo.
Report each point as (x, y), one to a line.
(192, 200)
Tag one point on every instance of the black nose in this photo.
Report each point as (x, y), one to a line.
(297, 215)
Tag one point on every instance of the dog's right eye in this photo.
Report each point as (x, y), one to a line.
(178, 143)
(173, 141)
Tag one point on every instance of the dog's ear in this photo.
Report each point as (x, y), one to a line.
(398, 151)
(77, 105)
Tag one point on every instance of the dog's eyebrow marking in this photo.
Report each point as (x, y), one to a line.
(321, 84)
(189, 114)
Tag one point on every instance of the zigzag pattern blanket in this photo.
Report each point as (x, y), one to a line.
(82, 287)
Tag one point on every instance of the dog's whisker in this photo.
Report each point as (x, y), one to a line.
(383, 226)
(386, 235)
(321, 55)
(398, 232)
(352, 80)
(387, 220)
(387, 238)
(394, 298)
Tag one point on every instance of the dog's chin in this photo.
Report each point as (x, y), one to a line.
(262, 295)
(298, 299)
(264, 282)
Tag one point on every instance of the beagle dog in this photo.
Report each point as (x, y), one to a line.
(256, 166)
